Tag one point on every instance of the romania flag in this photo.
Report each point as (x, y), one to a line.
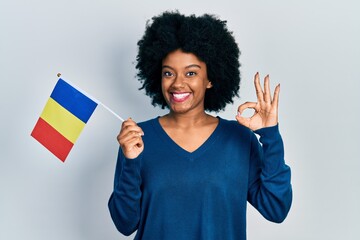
(63, 118)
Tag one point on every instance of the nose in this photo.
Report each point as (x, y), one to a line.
(178, 81)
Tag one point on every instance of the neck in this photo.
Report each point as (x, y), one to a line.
(187, 120)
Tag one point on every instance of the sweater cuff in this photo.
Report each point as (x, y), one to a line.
(268, 131)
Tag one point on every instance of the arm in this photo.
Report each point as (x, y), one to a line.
(269, 178)
(269, 189)
(124, 202)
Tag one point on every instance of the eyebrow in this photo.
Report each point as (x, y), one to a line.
(189, 66)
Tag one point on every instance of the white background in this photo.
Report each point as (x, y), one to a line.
(310, 47)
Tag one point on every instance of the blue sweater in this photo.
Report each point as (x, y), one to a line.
(169, 193)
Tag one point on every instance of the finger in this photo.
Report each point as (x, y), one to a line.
(125, 124)
(136, 142)
(267, 93)
(124, 138)
(131, 128)
(243, 120)
(276, 96)
(259, 91)
(242, 107)
(128, 122)
(130, 125)
(133, 150)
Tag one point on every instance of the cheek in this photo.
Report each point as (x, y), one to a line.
(164, 87)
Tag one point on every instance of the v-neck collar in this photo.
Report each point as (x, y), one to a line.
(181, 151)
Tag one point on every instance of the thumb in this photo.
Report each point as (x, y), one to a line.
(243, 120)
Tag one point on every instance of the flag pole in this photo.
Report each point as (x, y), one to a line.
(95, 100)
(111, 111)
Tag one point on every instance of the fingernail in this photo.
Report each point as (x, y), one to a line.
(239, 114)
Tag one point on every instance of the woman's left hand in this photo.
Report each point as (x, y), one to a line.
(266, 108)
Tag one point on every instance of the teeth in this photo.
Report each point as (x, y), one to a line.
(180, 95)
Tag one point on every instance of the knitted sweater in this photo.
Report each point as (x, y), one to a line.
(170, 193)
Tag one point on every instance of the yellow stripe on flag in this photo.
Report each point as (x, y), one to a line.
(62, 120)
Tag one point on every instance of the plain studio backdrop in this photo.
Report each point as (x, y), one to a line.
(310, 47)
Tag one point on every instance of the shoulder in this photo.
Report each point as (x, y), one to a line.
(149, 126)
(148, 122)
(235, 135)
(232, 126)
(236, 132)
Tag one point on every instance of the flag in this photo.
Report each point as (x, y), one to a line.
(63, 118)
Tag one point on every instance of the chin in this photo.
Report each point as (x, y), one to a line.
(180, 109)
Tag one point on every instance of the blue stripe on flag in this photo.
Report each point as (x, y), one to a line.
(73, 100)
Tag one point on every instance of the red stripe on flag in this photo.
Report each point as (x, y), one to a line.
(52, 139)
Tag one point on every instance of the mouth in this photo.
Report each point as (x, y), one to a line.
(179, 97)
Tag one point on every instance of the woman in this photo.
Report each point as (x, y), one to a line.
(188, 175)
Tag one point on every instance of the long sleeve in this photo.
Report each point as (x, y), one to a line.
(124, 202)
(270, 189)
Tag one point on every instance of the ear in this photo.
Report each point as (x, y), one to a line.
(209, 85)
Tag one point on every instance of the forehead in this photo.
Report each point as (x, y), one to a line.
(181, 59)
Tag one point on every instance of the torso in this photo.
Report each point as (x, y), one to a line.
(194, 195)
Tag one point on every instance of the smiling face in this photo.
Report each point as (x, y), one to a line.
(184, 82)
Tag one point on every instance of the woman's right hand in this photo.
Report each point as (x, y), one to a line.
(130, 139)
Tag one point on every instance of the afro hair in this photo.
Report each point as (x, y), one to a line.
(205, 36)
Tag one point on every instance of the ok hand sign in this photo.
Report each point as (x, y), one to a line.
(266, 108)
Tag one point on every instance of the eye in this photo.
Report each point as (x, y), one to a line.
(167, 74)
(191, 74)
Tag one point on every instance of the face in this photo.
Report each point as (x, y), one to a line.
(184, 82)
